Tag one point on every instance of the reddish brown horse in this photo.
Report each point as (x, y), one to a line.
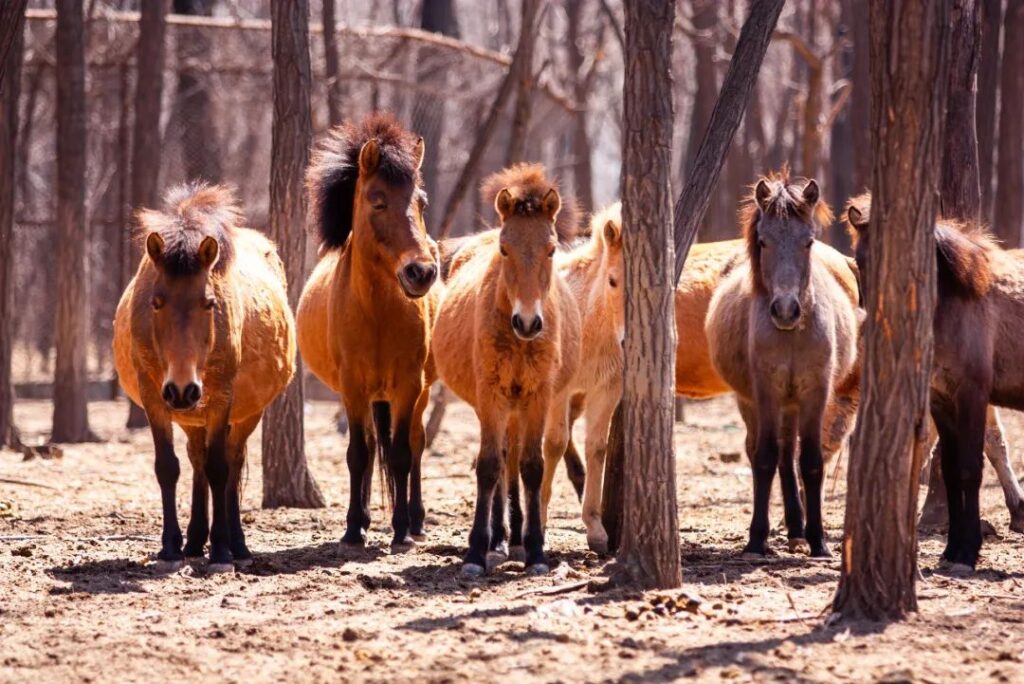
(203, 337)
(366, 313)
(507, 341)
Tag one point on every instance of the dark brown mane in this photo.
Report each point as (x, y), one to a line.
(528, 185)
(334, 169)
(193, 211)
(963, 250)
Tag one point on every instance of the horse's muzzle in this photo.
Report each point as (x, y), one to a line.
(417, 278)
(524, 330)
(184, 398)
(785, 311)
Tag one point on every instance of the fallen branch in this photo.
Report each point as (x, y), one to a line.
(554, 591)
(26, 483)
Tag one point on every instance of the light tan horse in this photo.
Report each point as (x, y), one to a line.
(507, 341)
(203, 337)
(366, 312)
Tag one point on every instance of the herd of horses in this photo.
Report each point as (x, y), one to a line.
(525, 322)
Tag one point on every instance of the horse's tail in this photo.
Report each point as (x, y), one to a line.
(382, 426)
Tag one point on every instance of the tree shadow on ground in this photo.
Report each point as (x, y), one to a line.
(708, 565)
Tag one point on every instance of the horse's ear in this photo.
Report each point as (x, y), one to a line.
(762, 193)
(550, 204)
(209, 248)
(504, 204)
(369, 157)
(155, 248)
(811, 193)
(612, 233)
(856, 218)
(418, 151)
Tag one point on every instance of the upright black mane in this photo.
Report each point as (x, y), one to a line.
(334, 169)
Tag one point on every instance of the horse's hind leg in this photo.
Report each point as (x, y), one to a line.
(498, 551)
(787, 478)
(417, 511)
(531, 469)
(573, 465)
(972, 405)
(217, 472)
(237, 439)
(199, 522)
(812, 470)
(398, 464)
(515, 504)
(999, 455)
(359, 464)
(600, 408)
(167, 471)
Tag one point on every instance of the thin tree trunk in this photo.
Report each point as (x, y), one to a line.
(331, 71)
(841, 154)
(910, 46)
(11, 58)
(582, 170)
(705, 17)
(146, 157)
(70, 415)
(860, 102)
(988, 90)
(1009, 208)
(520, 128)
(650, 525)
(200, 147)
(12, 23)
(286, 477)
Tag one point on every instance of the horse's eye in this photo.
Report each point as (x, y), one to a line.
(501, 248)
(612, 282)
(209, 303)
(157, 302)
(551, 252)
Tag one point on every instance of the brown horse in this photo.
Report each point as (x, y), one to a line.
(507, 341)
(979, 320)
(366, 313)
(783, 334)
(203, 337)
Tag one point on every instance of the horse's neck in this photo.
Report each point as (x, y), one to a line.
(368, 278)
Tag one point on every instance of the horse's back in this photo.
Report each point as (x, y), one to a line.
(312, 320)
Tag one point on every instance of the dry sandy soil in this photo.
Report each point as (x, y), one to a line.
(79, 599)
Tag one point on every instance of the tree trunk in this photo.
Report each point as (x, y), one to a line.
(1009, 208)
(910, 46)
(650, 525)
(146, 158)
(11, 58)
(286, 477)
(70, 416)
(988, 88)
(331, 71)
(200, 147)
(860, 101)
(523, 65)
(705, 16)
(12, 24)
(583, 178)
(841, 154)
(429, 110)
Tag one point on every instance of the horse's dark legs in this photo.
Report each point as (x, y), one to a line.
(199, 522)
(488, 472)
(239, 551)
(359, 466)
(217, 474)
(499, 530)
(531, 469)
(167, 471)
(972, 406)
(947, 452)
(766, 461)
(787, 478)
(812, 470)
(417, 442)
(515, 503)
(401, 466)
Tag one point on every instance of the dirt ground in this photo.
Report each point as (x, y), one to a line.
(79, 599)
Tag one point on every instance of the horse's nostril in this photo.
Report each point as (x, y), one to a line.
(538, 325)
(170, 393)
(430, 272)
(517, 323)
(774, 309)
(192, 394)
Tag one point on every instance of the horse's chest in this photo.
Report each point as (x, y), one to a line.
(518, 371)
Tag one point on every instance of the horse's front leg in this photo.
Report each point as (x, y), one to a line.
(488, 470)
(400, 464)
(199, 522)
(766, 462)
(599, 410)
(531, 469)
(168, 470)
(417, 442)
(556, 439)
(217, 474)
(998, 453)
(812, 469)
(792, 506)
(237, 439)
(359, 467)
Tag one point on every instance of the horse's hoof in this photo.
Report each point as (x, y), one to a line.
(473, 571)
(166, 567)
(752, 556)
(244, 562)
(598, 545)
(220, 568)
(798, 545)
(959, 569)
(355, 539)
(419, 536)
(403, 546)
(495, 558)
(517, 553)
(537, 569)
(987, 529)
(821, 553)
(1017, 524)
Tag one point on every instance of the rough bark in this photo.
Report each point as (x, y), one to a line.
(70, 416)
(910, 45)
(841, 156)
(429, 110)
(705, 17)
(650, 526)
(988, 89)
(523, 65)
(860, 104)
(11, 58)
(12, 23)
(286, 477)
(331, 71)
(149, 91)
(199, 141)
(583, 177)
(1009, 202)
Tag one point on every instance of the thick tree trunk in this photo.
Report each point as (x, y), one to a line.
(286, 477)
(910, 46)
(860, 102)
(70, 416)
(520, 128)
(429, 109)
(200, 147)
(1009, 207)
(988, 88)
(149, 91)
(650, 526)
(583, 179)
(331, 71)
(11, 58)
